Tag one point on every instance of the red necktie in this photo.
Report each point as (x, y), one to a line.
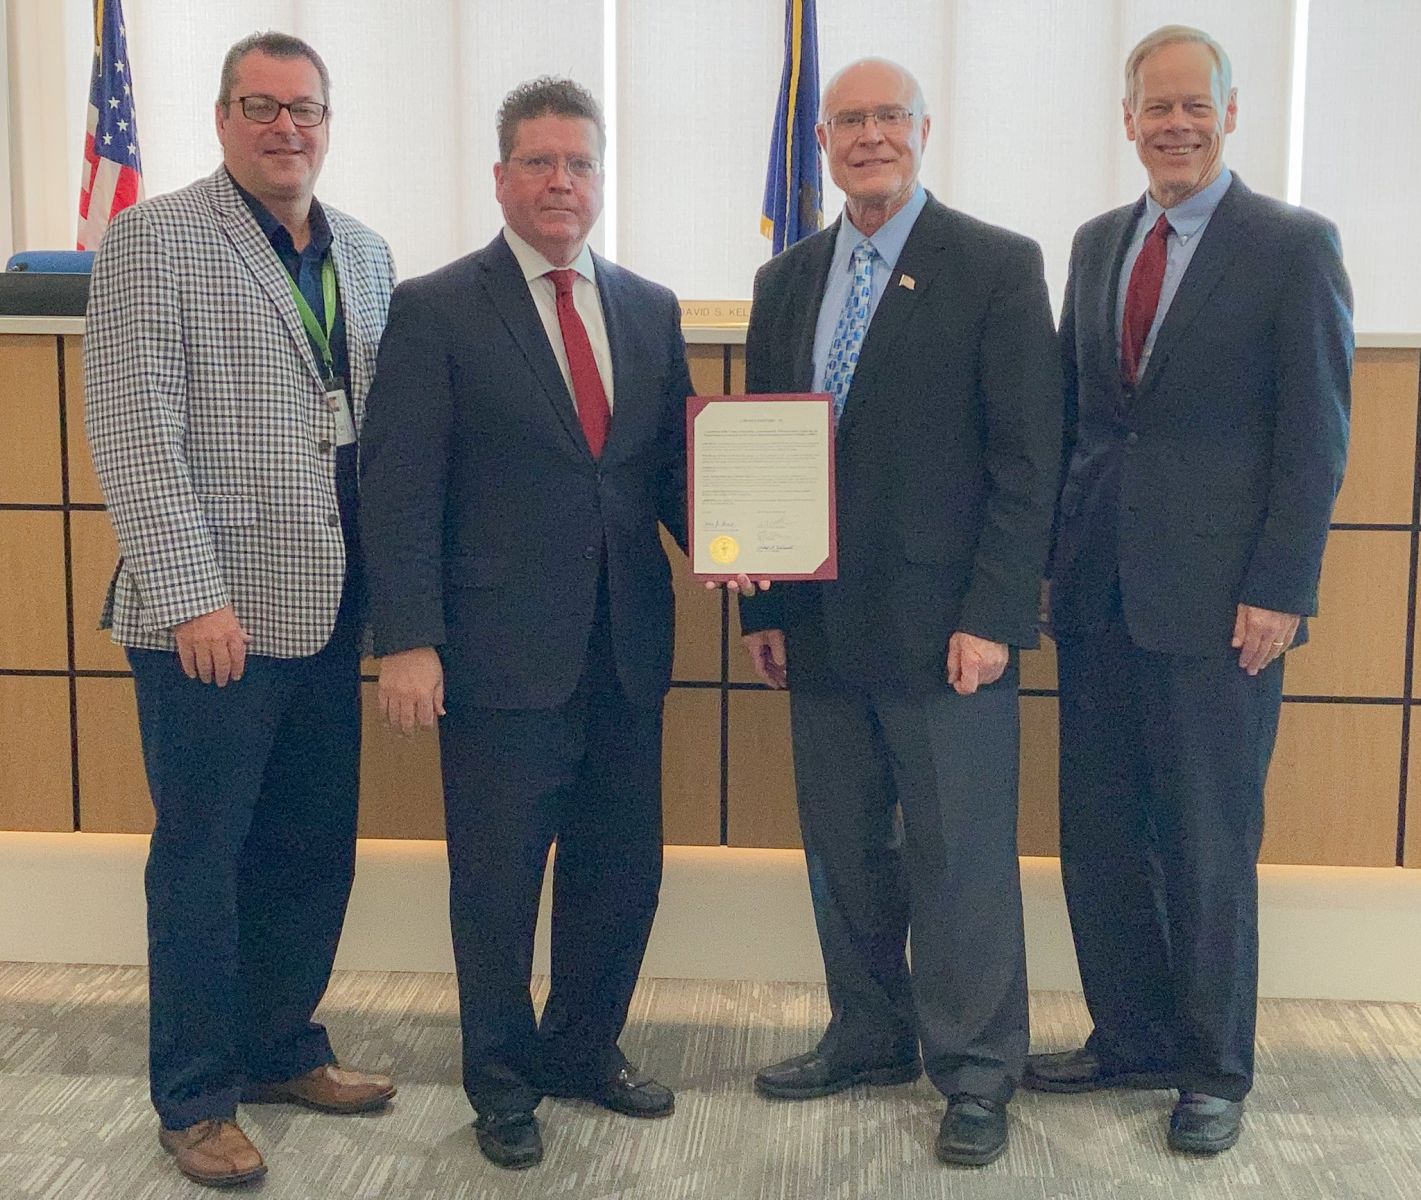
(1142, 299)
(588, 392)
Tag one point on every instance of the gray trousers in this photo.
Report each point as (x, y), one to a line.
(947, 869)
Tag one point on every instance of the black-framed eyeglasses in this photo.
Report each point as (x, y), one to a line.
(891, 118)
(542, 165)
(265, 109)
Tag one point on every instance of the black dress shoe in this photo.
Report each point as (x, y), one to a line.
(629, 1092)
(1203, 1124)
(973, 1132)
(806, 1076)
(1082, 1071)
(510, 1140)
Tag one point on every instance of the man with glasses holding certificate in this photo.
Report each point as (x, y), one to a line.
(931, 332)
(526, 438)
(232, 333)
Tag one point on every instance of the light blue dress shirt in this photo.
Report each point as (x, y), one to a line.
(1188, 219)
(888, 241)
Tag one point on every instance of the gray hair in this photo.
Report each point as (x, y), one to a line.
(918, 103)
(1173, 35)
(548, 95)
(273, 45)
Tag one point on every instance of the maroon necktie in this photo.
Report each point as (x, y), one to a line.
(1142, 298)
(588, 392)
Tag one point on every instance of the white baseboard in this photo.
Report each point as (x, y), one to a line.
(1327, 932)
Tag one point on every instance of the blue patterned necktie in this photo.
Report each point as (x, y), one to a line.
(848, 334)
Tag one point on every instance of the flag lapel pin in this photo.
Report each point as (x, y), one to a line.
(907, 281)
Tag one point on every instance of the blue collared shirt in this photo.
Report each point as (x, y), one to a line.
(888, 241)
(304, 266)
(1188, 219)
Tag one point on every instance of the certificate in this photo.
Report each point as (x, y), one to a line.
(760, 483)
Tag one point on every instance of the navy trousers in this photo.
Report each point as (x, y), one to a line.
(588, 775)
(254, 787)
(1163, 762)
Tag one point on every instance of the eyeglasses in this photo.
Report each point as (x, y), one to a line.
(540, 166)
(892, 118)
(265, 109)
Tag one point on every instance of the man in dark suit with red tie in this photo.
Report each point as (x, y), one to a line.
(525, 437)
(1207, 344)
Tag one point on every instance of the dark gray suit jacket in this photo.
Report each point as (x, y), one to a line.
(1215, 478)
(946, 455)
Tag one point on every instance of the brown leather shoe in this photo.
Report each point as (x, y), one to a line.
(216, 1153)
(328, 1089)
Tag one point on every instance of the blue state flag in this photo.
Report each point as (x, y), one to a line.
(794, 194)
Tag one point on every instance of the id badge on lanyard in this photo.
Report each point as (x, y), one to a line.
(338, 401)
(337, 396)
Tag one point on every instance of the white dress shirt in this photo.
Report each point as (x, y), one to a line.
(584, 298)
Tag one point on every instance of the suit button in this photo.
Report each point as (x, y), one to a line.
(590, 553)
(333, 519)
(323, 446)
(1131, 439)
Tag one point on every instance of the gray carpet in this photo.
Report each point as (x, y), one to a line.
(1337, 1111)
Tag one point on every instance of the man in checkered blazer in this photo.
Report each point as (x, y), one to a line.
(232, 333)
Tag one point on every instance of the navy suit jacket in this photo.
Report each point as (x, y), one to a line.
(485, 519)
(1214, 479)
(946, 456)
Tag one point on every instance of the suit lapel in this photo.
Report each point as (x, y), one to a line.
(922, 261)
(355, 302)
(1118, 242)
(1221, 239)
(813, 274)
(502, 279)
(241, 229)
(619, 319)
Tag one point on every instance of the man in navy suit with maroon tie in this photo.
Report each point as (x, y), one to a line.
(1207, 344)
(526, 436)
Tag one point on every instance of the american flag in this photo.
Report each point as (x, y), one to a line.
(112, 173)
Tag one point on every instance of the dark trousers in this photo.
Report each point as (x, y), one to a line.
(1163, 761)
(254, 787)
(588, 774)
(947, 868)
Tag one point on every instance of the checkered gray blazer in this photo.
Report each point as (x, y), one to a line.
(206, 418)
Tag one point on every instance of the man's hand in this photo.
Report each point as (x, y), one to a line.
(1261, 635)
(213, 647)
(767, 656)
(741, 583)
(412, 689)
(974, 662)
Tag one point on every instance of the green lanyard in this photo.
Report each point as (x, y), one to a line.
(322, 337)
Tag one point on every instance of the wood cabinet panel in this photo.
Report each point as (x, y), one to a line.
(29, 452)
(34, 620)
(36, 777)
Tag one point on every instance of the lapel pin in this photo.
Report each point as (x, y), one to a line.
(907, 281)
